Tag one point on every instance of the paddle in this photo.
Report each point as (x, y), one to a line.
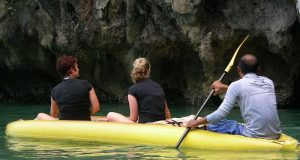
(227, 69)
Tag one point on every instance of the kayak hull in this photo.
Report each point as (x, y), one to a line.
(148, 134)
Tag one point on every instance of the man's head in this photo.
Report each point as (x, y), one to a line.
(248, 64)
(66, 65)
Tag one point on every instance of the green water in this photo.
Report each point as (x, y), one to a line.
(12, 148)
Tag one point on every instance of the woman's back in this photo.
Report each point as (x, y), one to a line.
(151, 100)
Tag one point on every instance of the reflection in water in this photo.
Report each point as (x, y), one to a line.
(13, 148)
(32, 148)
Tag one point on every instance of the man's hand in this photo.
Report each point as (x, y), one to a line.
(192, 123)
(218, 87)
(195, 123)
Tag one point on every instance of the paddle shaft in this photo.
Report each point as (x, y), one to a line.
(198, 113)
(227, 69)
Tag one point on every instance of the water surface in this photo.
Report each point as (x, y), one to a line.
(14, 148)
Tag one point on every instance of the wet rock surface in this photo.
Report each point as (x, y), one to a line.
(189, 43)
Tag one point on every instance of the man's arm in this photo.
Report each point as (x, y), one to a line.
(227, 104)
(222, 111)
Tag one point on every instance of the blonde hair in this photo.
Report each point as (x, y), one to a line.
(140, 70)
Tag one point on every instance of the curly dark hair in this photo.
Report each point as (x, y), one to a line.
(64, 63)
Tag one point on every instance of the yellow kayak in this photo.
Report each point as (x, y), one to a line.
(148, 134)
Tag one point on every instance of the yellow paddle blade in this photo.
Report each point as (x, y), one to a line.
(227, 69)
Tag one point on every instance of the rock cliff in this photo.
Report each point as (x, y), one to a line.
(189, 43)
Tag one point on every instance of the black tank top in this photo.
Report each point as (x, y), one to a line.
(151, 101)
(72, 97)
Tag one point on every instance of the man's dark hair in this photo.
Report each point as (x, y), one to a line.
(64, 63)
(248, 65)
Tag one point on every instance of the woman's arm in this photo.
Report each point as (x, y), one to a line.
(167, 111)
(95, 106)
(133, 106)
(54, 109)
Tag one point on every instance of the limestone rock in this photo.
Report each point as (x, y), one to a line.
(189, 43)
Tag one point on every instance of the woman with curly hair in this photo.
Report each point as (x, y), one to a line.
(146, 98)
(71, 99)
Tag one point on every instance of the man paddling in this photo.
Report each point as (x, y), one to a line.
(256, 98)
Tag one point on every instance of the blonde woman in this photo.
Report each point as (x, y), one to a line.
(146, 98)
